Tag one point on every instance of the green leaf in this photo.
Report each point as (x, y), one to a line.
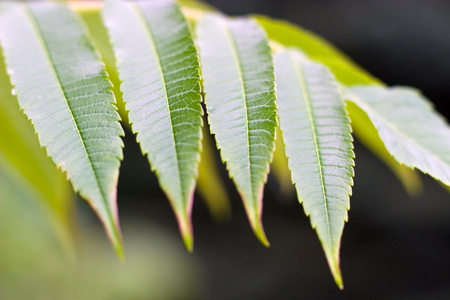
(210, 185)
(411, 130)
(196, 4)
(317, 48)
(159, 68)
(35, 174)
(238, 79)
(317, 135)
(346, 72)
(63, 89)
(280, 169)
(99, 35)
(368, 135)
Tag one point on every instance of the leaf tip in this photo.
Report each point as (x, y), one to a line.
(188, 240)
(119, 252)
(185, 226)
(113, 232)
(338, 279)
(333, 263)
(116, 240)
(255, 219)
(258, 229)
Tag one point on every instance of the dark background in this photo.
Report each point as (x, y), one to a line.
(394, 246)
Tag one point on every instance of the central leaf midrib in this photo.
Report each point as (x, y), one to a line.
(151, 38)
(238, 61)
(308, 101)
(35, 25)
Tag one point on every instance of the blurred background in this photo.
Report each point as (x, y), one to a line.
(395, 246)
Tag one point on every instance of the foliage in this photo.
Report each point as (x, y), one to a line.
(52, 58)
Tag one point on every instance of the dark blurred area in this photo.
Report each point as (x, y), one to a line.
(395, 246)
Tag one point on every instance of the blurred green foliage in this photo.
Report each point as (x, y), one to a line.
(33, 265)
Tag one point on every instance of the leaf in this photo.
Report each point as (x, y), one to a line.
(210, 185)
(99, 35)
(317, 48)
(21, 156)
(411, 130)
(317, 135)
(238, 79)
(63, 89)
(368, 135)
(280, 169)
(158, 65)
(347, 72)
(196, 4)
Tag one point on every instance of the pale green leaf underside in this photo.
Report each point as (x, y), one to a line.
(415, 134)
(159, 69)
(317, 135)
(63, 89)
(238, 79)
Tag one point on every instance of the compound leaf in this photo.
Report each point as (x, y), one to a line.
(63, 89)
(317, 135)
(238, 80)
(159, 69)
